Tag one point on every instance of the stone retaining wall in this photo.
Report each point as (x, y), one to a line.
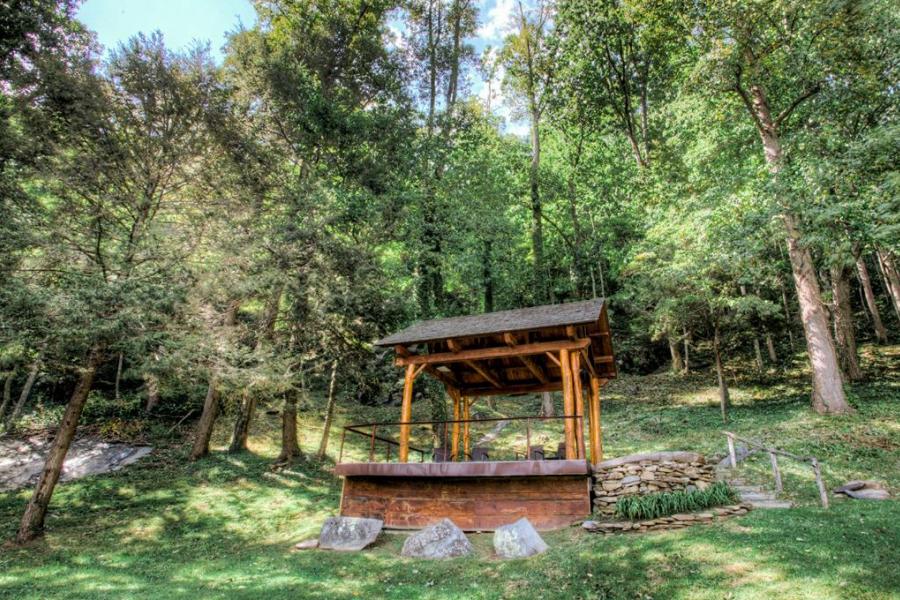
(671, 522)
(641, 474)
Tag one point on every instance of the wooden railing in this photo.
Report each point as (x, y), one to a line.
(441, 429)
(774, 453)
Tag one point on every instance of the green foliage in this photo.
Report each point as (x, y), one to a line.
(651, 506)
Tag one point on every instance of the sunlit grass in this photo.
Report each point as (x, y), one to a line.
(224, 527)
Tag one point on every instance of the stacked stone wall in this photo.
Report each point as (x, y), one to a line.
(642, 474)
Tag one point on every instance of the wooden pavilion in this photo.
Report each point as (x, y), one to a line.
(563, 347)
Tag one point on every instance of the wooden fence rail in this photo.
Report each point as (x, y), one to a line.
(774, 453)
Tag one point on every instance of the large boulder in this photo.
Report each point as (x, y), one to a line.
(349, 533)
(440, 540)
(864, 490)
(518, 540)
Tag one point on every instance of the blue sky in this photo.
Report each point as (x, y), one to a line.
(184, 21)
(181, 21)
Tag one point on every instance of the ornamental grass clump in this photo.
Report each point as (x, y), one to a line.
(652, 506)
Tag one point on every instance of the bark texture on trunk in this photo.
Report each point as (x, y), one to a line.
(7, 393)
(32, 524)
(242, 423)
(13, 418)
(537, 214)
(119, 366)
(770, 346)
(724, 395)
(290, 447)
(891, 278)
(844, 335)
(207, 421)
(329, 412)
(828, 390)
(757, 350)
(547, 404)
(866, 283)
(151, 382)
(675, 351)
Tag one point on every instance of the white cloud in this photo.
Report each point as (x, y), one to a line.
(498, 19)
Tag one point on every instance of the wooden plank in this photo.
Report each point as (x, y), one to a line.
(595, 425)
(445, 378)
(454, 443)
(488, 353)
(492, 379)
(406, 412)
(473, 504)
(578, 393)
(568, 403)
(529, 388)
(532, 366)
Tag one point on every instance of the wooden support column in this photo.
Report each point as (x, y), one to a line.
(466, 403)
(406, 412)
(579, 403)
(568, 403)
(454, 442)
(596, 430)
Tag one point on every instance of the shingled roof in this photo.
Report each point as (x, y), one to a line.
(520, 319)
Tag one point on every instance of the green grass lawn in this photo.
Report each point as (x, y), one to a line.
(224, 527)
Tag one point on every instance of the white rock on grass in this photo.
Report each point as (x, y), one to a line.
(440, 540)
(518, 540)
(349, 533)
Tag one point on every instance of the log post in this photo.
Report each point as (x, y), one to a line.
(579, 403)
(731, 456)
(565, 364)
(406, 412)
(823, 494)
(595, 425)
(776, 472)
(466, 405)
(454, 438)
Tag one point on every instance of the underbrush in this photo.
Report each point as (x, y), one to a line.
(663, 504)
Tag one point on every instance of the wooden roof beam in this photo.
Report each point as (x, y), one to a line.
(536, 370)
(489, 377)
(489, 353)
(445, 378)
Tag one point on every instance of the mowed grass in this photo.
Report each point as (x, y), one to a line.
(224, 527)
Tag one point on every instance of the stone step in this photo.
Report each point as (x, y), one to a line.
(771, 503)
(756, 496)
(747, 488)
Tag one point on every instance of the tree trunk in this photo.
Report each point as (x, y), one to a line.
(724, 396)
(675, 351)
(844, 334)
(757, 351)
(891, 278)
(119, 366)
(788, 318)
(487, 277)
(32, 524)
(7, 393)
(770, 346)
(242, 423)
(13, 418)
(537, 217)
(866, 284)
(329, 412)
(547, 409)
(151, 383)
(207, 421)
(827, 386)
(687, 351)
(290, 448)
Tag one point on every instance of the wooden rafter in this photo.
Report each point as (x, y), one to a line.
(445, 378)
(492, 379)
(488, 353)
(536, 370)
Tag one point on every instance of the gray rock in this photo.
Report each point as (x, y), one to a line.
(868, 494)
(309, 544)
(631, 479)
(440, 540)
(349, 533)
(518, 540)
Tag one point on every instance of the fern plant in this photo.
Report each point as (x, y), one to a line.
(651, 506)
